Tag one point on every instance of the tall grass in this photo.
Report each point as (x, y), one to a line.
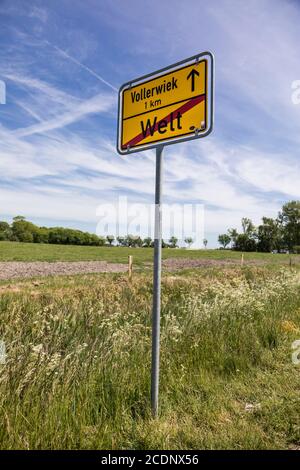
(78, 363)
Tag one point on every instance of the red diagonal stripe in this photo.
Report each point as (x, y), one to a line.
(182, 109)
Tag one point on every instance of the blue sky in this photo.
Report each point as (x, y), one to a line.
(62, 62)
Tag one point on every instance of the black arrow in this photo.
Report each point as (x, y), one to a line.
(192, 75)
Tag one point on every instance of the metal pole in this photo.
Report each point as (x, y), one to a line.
(156, 283)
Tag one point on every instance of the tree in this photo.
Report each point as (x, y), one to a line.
(22, 230)
(189, 241)
(26, 237)
(173, 242)
(5, 231)
(269, 235)
(163, 244)
(147, 242)
(100, 241)
(65, 236)
(4, 226)
(233, 233)
(289, 217)
(138, 241)
(122, 241)
(134, 241)
(245, 243)
(224, 240)
(41, 235)
(110, 239)
(248, 227)
(205, 241)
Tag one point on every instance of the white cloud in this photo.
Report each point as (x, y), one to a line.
(188, 178)
(88, 69)
(269, 174)
(64, 109)
(40, 87)
(99, 103)
(40, 13)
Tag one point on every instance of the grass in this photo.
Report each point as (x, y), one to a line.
(12, 251)
(78, 361)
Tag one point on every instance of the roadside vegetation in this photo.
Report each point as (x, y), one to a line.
(75, 351)
(21, 230)
(142, 257)
(281, 234)
(77, 367)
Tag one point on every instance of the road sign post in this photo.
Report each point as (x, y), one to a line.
(156, 282)
(172, 105)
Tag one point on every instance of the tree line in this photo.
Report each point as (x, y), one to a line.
(281, 234)
(21, 230)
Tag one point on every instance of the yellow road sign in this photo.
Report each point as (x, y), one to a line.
(171, 105)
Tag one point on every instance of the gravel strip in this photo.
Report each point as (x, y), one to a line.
(172, 264)
(19, 269)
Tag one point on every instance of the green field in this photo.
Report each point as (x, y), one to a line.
(14, 251)
(76, 372)
(78, 362)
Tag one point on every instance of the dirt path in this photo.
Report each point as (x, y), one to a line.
(173, 264)
(19, 269)
(22, 270)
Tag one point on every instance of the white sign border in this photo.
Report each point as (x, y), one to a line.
(177, 65)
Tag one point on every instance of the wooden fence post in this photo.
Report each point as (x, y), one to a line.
(129, 267)
(242, 260)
